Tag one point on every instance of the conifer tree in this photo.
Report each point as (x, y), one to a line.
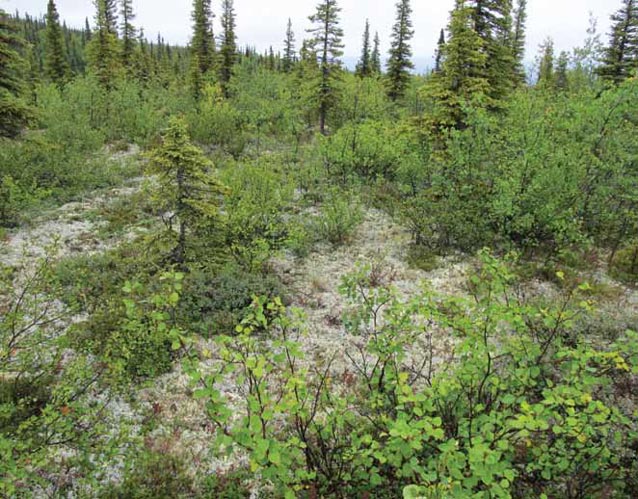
(492, 21)
(546, 64)
(289, 48)
(375, 58)
(14, 112)
(561, 79)
(56, 64)
(399, 62)
(128, 35)
(327, 43)
(440, 48)
(463, 75)
(86, 34)
(110, 14)
(228, 47)
(620, 59)
(518, 40)
(270, 58)
(187, 188)
(364, 67)
(102, 51)
(203, 41)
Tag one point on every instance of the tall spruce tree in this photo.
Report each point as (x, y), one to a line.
(103, 51)
(561, 78)
(56, 63)
(14, 112)
(86, 34)
(399, 62)
(364, 66)
(518, 41)
(289, 48)
(546, 64)
(462, 78)
(110, 14)
(129, 35)
(375, 58)
(203, 41)
(440, 48)
(492, 21)
(326, 41)
(228, 46)
(620, 59)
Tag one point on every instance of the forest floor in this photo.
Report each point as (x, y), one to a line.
(181, 426)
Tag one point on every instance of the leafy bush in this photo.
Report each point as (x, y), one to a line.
(522, 404)
(256, 218)
(624, 264)
(340, 216)
(213, 302)
(369, 149)
(153, 475)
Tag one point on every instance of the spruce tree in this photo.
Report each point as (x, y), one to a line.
(327, 43)
(440, 48)
(203, 41)
(375, 58)
(56, 64)
(546, 64)
(364, 67)
(228, 47)
(289, 48)
(14, 112)
(187, 188)
(102, 51)
(399, 62)
(561, 79)
(518, 41)
(129, 35)
(620, 59)
(492, 20)
(462, 78)
(86, 34)
(110, 15)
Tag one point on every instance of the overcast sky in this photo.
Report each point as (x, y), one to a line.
(262, 23)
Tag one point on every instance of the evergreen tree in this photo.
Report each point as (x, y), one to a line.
(375, 58)
(562, 82)
(620, 59)
(364, 67)
(110, 15)
(187, 188)
(289, 48)
(270, 59)
(102, 51)
(327, 43)
(56, 65)
(128, 35)
(518, 40)
(546, 64)
(86, 35)
(203, 41)
(399, 62)
(492, 21)
(463, 75)
(228, 47)
(14, 112)
(440, 49)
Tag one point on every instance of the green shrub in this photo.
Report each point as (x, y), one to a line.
(213, 302)
(624, 265)
(340, 216)
(153, 475)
